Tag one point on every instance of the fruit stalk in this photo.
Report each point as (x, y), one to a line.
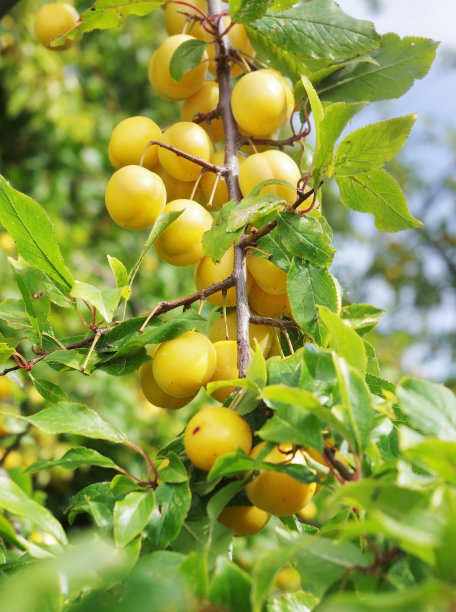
(231, 163)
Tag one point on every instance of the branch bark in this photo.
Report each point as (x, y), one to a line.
(222, 46)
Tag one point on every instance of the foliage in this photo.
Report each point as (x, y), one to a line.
(125, 531)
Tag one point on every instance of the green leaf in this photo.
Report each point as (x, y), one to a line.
(16, 502)
(293, 602)
(362, 317)
(106, 301)
(309, 287)
(292, 424)
(163, 221)
(398, 63)
(173, 504)
(174, 471)
(238, 463)
(288, 369)
(97, 500)
(431, 453)
(370, 147)
(72, 359)
(218, 239)
(193, 570)
(323, 562)
(344, 340)
(74, 458)
(107, 14)
(119, 271)
(66, 417)
(124, 338)
(256, 370)
(303, 236)
(272, 244)
(231, 587)
(265, 570)
(29, 225)
(32, 289)
(220, 499)
(186, 57)
(356, 401)
(420, 598)
(336, 117)
(281, 394)
(245, 11)
(430, 407)
(267, 51)
(5, 352)
(377, 193)
(14, 314)
(49, 390)
(319, 30)
(253, 207)
(131, 515)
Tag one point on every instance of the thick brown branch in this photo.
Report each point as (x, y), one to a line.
(222, 46)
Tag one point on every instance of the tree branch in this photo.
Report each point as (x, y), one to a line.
(232, 140)
(193, 158)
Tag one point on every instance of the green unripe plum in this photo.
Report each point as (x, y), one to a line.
(215, 431)
(190, 138)
(55, 19)
(262, 101)
(270, 165)
(129, 139)
(160, 78)
(181, 242)
(135, 197)
(185, 364)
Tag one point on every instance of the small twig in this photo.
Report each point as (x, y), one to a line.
(282, 324)
(193, 158)
(96, 337)
(150, 463)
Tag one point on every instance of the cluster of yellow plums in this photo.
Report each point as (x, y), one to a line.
(151, 179)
